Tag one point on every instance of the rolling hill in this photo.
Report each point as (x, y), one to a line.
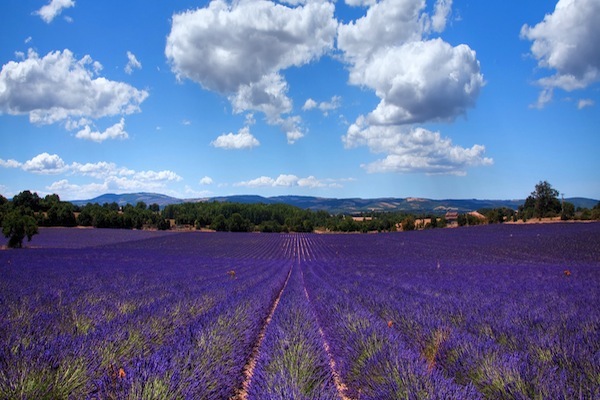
(332, 205)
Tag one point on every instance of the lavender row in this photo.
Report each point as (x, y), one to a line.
(114, 323)
(292, 362)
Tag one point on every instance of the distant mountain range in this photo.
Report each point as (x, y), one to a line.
(334, 206)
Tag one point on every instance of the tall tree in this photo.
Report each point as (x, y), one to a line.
(16, 225)
(543, 201)
(26, 199)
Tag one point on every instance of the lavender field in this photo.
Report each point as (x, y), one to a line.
(489, 312)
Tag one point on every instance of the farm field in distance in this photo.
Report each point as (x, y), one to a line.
(485, 312)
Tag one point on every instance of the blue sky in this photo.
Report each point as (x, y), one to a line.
(362, 98)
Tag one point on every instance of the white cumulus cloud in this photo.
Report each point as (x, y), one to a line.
(421, 81)
(117, 131)
(309, 104)
(286, 180)
(414, 150)
(544, 98)
(45, 163)
(53, 9)
(236, 141)
(439, 18)
(223, 46)
(289, 180)
(132, 63)
(207, 180)
(324, 106)
(238, 50)
(566, 42)
(257, 182)
(72, 191)
(583, 103)
(417, 79)
(10, 163)
(58, 87)
(109, 176)
(311, 182)
(99, 170)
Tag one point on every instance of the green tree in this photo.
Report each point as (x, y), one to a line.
(163, 224)
(47, 202)
(61, 214)
(568, 211)
(26, 199)
(237, 223)
(542, 202)
(114, 206)
(16, 225)
(85, 217)
(4, 204)
(595, 214)
(219, 223)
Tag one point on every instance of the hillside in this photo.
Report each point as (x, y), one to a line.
(131, 198)
(334, 206)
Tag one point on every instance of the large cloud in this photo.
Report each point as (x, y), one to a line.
(417, 79)
(58, 87)
(238, 50)
(421, 81)
(566, 41)
(224, 46)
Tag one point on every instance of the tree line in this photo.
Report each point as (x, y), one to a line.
(21, 216)
(237, 217)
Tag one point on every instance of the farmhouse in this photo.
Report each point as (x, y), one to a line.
(452, 218)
